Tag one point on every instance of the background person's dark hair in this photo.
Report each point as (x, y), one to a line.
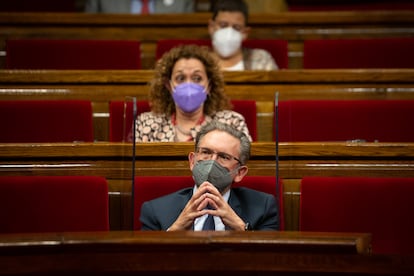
(229, 6)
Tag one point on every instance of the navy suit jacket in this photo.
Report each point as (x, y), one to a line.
(256, 208)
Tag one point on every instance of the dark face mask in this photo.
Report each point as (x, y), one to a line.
(213, 172)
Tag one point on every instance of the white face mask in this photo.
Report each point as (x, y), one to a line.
(227, 41)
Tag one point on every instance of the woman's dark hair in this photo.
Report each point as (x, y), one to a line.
(230, 6)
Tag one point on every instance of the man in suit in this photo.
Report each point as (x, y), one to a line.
(220, 157)
(135, 6)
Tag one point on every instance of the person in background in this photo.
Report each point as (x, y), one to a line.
(187, 92)
(220, 157)
(139, 6)
(228, 27)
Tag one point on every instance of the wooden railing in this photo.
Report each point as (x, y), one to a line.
(201, 253)
(294, 27)
(103, 86)
(296, 160)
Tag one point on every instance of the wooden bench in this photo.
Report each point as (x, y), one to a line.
(104, 86)
(201, 253)
(294, 27)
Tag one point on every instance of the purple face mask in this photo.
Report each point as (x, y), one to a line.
(189, 96)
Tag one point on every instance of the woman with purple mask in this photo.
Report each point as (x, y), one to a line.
(186, 93)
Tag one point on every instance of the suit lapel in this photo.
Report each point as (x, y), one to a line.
(235, 204)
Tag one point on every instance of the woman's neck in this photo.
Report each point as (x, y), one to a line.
(186, 121)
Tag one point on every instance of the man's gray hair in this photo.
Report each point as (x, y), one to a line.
(216, 125)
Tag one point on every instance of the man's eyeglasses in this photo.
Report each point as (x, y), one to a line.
(222, 157)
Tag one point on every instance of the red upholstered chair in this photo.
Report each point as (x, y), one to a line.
(116, 117)
(343, 120)
(72, 54)
(150, 187)
(53, 204)
(248, 109)
(121, 118)
(358, 53)
(348, 5)
(39, 6)
(276, 47)
(380, 206)
(44, 121)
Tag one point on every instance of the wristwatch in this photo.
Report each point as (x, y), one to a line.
(247, 227)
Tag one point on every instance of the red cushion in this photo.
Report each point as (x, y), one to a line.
(348, 5)
(381, 206)
(358, 53)
(151, 187)
(53, 204)
(116, 117)
(40, 121)
(248, 109)
(276, 47)
(120, 126)
(72, 54)
(39, 6)
(342, 120)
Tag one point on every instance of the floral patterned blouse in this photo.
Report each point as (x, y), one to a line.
(258, 59)
(152, 127)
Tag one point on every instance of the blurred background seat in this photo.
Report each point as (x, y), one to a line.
(381, 206)
(358, 53)
(73, 54)
(40, 6)
(346, 120)
(53, 204)
(46, 121)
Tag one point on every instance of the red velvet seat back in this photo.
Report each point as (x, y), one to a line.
(358, 53)
(276, 47)
(41, 121)
(120, 126)
(72, 54)
(248, 109)
(343, 120)
(380, 206)
(116, 117)
(39, 6)
(53, 204)
(349, 5)
(151, 187)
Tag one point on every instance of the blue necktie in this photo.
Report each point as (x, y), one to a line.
(209, 223)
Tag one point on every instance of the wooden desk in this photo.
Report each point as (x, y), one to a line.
(103, 86)
(201, 253)
(292, 26)
(114, 161)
